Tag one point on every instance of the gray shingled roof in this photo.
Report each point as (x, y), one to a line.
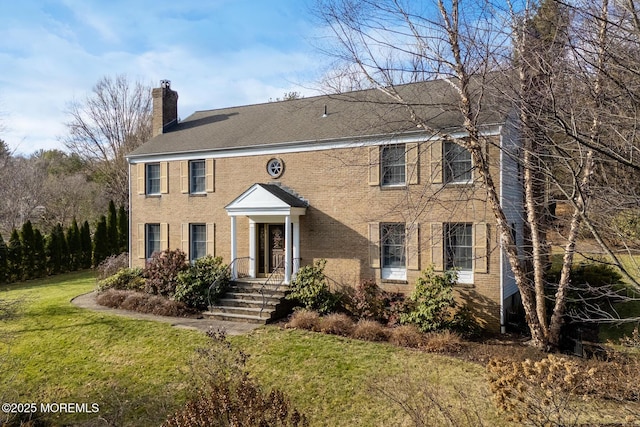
(351, 115)
(284, 195)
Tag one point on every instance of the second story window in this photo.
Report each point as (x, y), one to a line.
(197, 176)
(152, 174)
(393, 165)
(457, 164)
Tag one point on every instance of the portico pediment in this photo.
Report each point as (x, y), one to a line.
(266, 200)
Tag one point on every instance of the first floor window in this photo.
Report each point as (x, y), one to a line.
(153, 178)
(392, 243)
(197, 176)
(457, 164)
(198, 246)
(393, 165)
(152, 239)
(458, 246)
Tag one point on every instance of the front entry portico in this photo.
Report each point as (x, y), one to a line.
(274, 229)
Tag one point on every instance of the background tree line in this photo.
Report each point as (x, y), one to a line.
(30, 254)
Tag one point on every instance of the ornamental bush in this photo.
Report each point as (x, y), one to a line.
(162, 272)
(431, 302)
(310, 288)
(193, 284)
(128, 279)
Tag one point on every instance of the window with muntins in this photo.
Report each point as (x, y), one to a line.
(152, 239)
(153, 178)
(198, 238)
(458, 246)
(197, 176)
(393, 251)
(457, 164)
(393, 165)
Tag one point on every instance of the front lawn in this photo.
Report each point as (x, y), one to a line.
(138, 371)
(56, 352)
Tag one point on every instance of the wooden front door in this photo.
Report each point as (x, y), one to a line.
(270, 248)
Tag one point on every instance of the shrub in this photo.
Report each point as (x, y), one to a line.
(368, 301)
(112, 298)
(111, 265)
(370, 330)
(142, 303)
(162, 272)
(129, 279)
(432, 301)
(337, 324)
(537, 393)
(193, 284)
(442, 342)
(225, 395)
(305, 319)
(310, 288)
(406, 336)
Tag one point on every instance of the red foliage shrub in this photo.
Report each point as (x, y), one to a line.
(162, 272)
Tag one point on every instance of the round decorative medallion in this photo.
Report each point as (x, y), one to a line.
(275, 167)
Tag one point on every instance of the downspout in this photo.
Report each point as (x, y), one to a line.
(503, 328)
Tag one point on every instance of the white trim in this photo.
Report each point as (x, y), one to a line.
(252, 247)
(465, 277)
(393, 273)
(300, 146)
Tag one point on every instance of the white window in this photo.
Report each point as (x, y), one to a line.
(393, 165)
(458, 246)
(393, 254)
(198, 241)
(152, 243)
(197, 177)
(457, 164)
(153, 178)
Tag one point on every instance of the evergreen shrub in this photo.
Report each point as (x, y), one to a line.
(193, 283)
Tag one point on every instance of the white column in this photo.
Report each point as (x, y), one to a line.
(287, 249)
(252, 248)
(234, 246)
(296, 245)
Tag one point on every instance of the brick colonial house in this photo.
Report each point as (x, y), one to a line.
(347, 178)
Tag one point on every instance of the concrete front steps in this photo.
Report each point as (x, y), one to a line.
(243, 302)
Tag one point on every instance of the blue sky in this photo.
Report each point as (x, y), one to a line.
(216, 53)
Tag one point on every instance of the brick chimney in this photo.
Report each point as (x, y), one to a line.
(165, 107)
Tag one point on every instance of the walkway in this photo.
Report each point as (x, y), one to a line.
(88, 301)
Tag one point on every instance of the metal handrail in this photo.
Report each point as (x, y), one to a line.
(232, 271)
(276, 278)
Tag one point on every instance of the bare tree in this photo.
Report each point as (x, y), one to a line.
(109, 123)
(568, 72)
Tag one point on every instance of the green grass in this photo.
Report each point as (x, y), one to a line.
(56, 352)
(138, 371)
(337, 381)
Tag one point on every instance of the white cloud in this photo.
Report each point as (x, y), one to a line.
(55, 56)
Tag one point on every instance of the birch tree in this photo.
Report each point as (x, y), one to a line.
(563, 79)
